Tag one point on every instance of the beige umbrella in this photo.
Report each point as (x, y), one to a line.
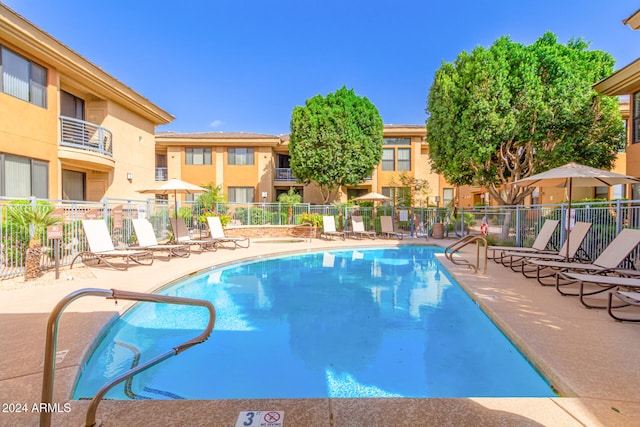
(175, 187)
(575, 174)
(373, 197)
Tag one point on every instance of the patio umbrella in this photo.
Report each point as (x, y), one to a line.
(574, 174)
(373, 197)
(175, 187)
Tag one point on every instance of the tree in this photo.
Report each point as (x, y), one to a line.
(289, 199)
(507, 112)
(335, 141)
(34, 221)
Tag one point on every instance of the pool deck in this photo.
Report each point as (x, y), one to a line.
(586, 355)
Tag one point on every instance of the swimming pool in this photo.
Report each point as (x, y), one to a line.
(375, 322)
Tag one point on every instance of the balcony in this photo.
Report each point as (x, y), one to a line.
(85, 136)
(284, 174)
(162, 174)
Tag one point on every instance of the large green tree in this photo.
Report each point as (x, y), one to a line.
(335, 140)
(507, 112)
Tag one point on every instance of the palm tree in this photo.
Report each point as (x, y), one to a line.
(289, 199)
(33, 220)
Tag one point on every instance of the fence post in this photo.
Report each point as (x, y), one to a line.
(518, 233)
(618, 216)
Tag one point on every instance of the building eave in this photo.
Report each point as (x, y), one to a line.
(625, 81)
(633, 20)
(26, 36)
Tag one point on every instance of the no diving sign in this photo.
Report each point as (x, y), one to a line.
(260, 419)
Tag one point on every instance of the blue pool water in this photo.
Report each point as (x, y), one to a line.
(352, 323)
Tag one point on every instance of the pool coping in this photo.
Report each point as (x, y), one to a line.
(495, 291)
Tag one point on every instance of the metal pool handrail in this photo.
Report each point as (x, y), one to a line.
(459, 244)
(115, 294)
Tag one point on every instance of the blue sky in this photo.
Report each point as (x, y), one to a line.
(233, 65)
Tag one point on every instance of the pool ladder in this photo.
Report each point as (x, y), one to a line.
(115, 294)
(459, 244)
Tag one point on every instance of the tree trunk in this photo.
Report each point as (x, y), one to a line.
(33, 258)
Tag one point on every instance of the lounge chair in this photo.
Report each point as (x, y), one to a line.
(101, 247)
(540, 244)
(601, 283)
(329, 228)
(628, 298)
(217, 233)
(386, 228)
(518, 261)
(357, 228)
(147, 240)
(181, 236)
(608, 261)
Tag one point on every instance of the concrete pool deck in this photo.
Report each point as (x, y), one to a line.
(585, 354)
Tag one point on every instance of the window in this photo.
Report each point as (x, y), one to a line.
(71, 106)
(388, 159)
(397, 141)
(22, 78)
(447, 197)
(73, 185)
(198, 156)
(602, 192)
(635, 130)
(404, 159)
(400, 196)
(23, 177)
(240, 156)
(240, 194)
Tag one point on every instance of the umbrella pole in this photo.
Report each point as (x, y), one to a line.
(569, 219)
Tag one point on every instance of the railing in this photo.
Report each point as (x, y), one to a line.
(162, 174)
(284, 174)
(85, 136)
(507, 225)
(52, 338)
(467, 240)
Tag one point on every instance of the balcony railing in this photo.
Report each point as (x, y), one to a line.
(86, 136)
(162, 174)
(284, 174)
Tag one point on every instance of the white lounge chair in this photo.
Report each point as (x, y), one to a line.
(181, 236)
(608, 261)
(518, 261)
(357, 228)
(101, 247)
(540, 244)
(329, 228)
(217, 233)
(600, 284)
(386, 228)
(628, 298)
(147, 240)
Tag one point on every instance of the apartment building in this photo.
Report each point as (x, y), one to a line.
(68, 129)
(626, 82)
(255, 167)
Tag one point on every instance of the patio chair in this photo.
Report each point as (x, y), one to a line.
(101, 247)
(386, 228)
(628, 298)
(217, 233)
(181, 236)
(608, 261)
(357, 228)
(600, 284)
(518, 261)
(147, 240)
(540, 244)
(329, 228)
